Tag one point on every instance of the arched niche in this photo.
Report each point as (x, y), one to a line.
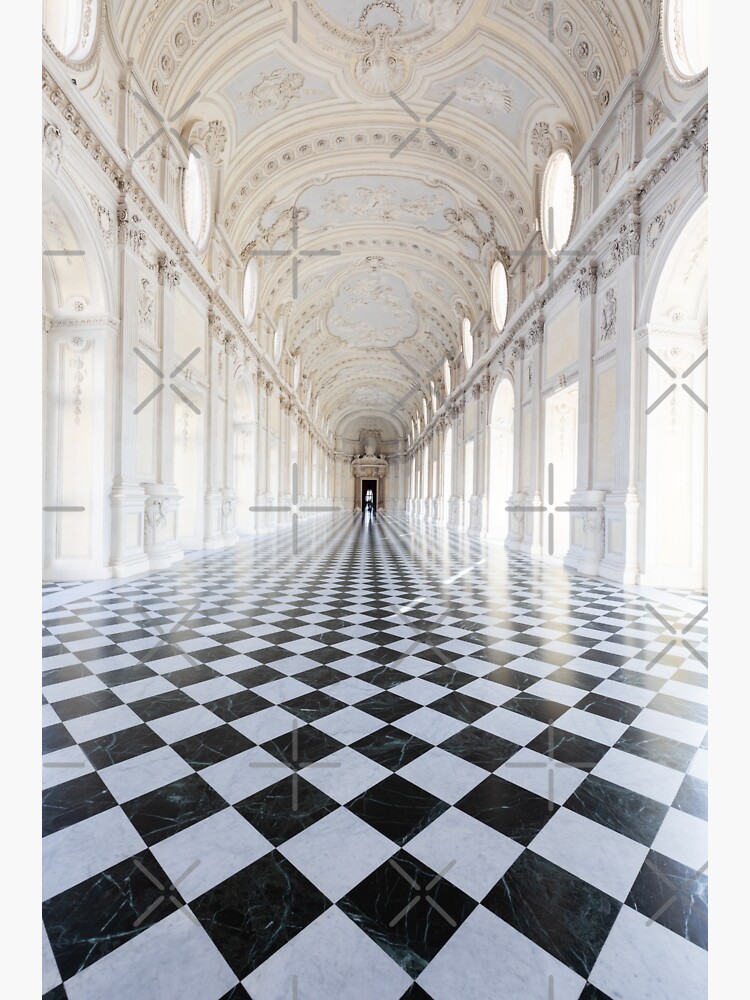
(673, 365)
(500, 480)
(79, 364)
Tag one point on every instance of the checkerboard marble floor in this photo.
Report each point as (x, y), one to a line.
(398, 764)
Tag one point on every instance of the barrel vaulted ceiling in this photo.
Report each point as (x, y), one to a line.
(343, 137)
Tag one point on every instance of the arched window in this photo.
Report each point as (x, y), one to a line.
(250, 290)
(278, 341)
(195, 200)
(468, 342)
(499, 294)
(685, 37)
(558, 202)
(424, 409)
(71, 26)
(447, 377)
(297, 371)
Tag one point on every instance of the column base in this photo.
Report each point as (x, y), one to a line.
(587, 532)
(620, 562)
(127, 505)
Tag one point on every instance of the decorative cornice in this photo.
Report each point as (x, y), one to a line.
(129, 226)
(628, 203)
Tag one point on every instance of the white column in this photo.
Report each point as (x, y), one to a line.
(537, 485)
(587, 527)
(212, 534)
(516, 519)
(128, 496)
(620, 560)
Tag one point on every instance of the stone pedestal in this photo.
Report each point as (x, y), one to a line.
(160, 526)
(128, 502)
(587, 532)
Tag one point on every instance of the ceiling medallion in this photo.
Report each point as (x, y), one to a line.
(384, 33)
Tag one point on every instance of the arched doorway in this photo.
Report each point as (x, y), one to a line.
(500, 477)
(674, 407)
(560, 467)
(79, 409)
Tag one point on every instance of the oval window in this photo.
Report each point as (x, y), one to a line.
(468, 342)
(195, 200)
(499, 294)
(685, 37)
(250, 290)
(558, 202)
(71, 26)
(278, 341)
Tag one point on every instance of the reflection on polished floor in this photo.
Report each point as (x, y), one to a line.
(400, 764)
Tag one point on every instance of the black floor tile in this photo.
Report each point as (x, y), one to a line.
(618, 808)
(302, 746)
(461, 706)
(234, 707)
(161, 813)
(563, 914)
(212, 746)
(508, 808)
(397, 808)
(656, 748)
(286, 808)
(537, 708)
(569, 748)
(315, 705)
(674, 896)
(256, 911)
(97, 916)
(122, 745)
(85, 704)
(73, 801)
(391, 747)
(56, 737)
(383, 905)
(693, 797)
(480, 748)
